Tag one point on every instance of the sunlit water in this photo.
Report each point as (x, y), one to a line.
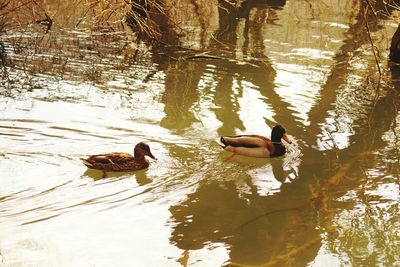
(332, 200)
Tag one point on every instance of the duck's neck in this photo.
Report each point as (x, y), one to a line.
(138, 154)
(276, 140)
(279, 148)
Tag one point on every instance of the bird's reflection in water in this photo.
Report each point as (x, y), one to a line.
(280, 173)
(282, 169)
(141, 177)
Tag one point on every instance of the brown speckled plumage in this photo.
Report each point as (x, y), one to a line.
(120, 161)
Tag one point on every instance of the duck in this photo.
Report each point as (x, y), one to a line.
(120, 161)
(256, 145)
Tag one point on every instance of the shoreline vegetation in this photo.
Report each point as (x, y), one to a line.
(43, 37)
(158, 22)
(142, 17)
(150, 19)
(33, 30)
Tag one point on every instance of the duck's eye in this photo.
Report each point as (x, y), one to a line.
(145, 147)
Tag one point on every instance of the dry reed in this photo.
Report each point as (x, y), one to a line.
(95, 15)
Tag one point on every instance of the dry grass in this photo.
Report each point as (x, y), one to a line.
(38, 14)
(45, 36)
(93, 15)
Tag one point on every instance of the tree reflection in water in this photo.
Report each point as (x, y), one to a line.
(259, 229)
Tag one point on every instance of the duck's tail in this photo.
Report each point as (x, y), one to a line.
(87, 163)
(227, 144)
(235, 141)
(224, 144)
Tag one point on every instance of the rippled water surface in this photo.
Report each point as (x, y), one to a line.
(332, 200)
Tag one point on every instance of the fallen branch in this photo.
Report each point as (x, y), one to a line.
(203, 56)
(206, 56)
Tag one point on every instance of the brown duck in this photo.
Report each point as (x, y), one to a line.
(120, 161)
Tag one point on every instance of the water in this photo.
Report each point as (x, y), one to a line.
(333, 199)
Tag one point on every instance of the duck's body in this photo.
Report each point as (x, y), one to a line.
(120, 161)
(256, 145)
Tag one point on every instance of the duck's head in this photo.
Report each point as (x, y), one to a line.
(278, 133)
(143, 149)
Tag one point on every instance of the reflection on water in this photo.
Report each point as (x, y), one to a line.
(334, 197)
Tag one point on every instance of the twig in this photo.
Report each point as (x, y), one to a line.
(203, 56)
(298, 209)
(48, 22)
(16, 8)
(370, 40)
(4, 4)
(370, 6)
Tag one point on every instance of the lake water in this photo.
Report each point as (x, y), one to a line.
(332, 200)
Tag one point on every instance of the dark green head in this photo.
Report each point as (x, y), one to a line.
(278, 133)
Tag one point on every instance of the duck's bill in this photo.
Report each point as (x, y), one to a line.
(286, 138)
(152, 156)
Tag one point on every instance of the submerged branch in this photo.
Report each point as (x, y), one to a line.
(281, 259)
(321, 195)
(293, 253)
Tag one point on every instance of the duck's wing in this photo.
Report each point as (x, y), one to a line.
(248, 141)
(115, 157)
(110, 161)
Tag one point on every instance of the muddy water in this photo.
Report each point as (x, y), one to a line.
(333, 199)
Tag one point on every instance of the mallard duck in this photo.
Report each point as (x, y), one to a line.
(120, 161)
(256, 145)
